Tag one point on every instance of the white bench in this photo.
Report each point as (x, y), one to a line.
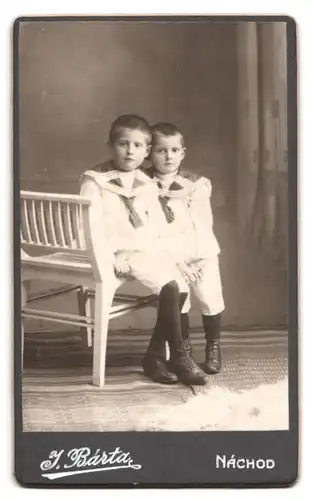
(55, 228)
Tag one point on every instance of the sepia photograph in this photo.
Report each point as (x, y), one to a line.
(153, 180)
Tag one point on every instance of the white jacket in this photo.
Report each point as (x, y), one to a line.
(111, 229)
(190, 235)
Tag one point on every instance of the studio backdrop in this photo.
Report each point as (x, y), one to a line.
(223, 85)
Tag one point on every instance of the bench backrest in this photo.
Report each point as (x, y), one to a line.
(58, 222)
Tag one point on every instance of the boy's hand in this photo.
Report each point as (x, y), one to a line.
(121, 266)
(190, 275)
(198, 267)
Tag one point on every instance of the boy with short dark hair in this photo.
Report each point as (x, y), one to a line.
(188, 233)
(124, 223)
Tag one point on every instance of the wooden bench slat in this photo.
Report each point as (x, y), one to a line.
(54, 240)
(59, 225)
(68, 226)
(34, 223)
(27, 225)
(43, 224)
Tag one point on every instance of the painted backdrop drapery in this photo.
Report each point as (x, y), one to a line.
(262, 143)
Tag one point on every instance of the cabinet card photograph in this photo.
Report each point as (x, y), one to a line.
(155, 244)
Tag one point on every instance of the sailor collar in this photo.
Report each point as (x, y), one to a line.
(180, 187)
(109, 179)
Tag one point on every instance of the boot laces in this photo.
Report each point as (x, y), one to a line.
(213, 349)
(189, 363)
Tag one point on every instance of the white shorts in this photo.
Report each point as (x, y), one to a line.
(155, 270)
(152, 269)
(208, 289)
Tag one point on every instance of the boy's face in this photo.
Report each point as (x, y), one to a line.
(129, 149)
(167, 153)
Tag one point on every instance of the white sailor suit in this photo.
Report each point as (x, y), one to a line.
(188, 234)
(125, 219)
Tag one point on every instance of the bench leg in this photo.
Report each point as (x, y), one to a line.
(167, 351)
(88, 313)
(103, 302)
(84, 308)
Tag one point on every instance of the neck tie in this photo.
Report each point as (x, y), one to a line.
(134, 217)
(169, 214)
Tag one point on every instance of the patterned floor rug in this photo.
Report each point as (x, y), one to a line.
(250, 393)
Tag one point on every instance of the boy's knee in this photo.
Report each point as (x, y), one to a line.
(211, 309)
(169, 292)
(179, 285)
(173, 286)
(183, 286)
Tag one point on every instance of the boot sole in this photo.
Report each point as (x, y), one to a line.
(198, 382)
(169, 381)
(210, 371)
(186, 381)
(162, 381)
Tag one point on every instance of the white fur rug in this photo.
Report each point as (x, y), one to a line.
(216, 408)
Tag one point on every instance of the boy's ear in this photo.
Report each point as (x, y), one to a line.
(148, 151)
(183, 152)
